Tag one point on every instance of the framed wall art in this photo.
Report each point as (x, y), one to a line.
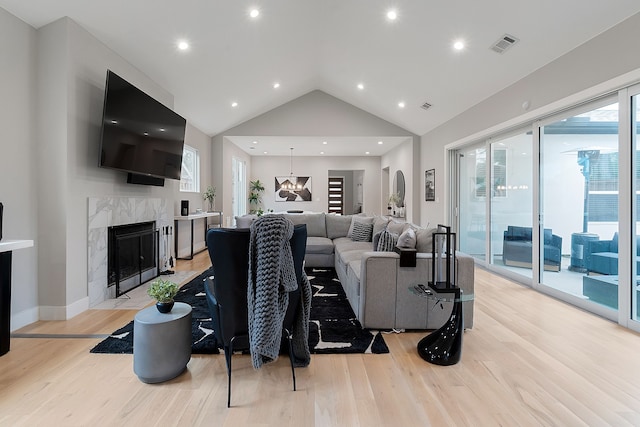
(293, 188)
(430, 185)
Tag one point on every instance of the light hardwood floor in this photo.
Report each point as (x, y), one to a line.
(529, 360)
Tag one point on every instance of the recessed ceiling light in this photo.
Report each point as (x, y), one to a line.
(380, 142)
(458, 45)
(401, 104)
(254, 13)
(392, 15)
(146, 133)
(254, 142)
(162, 129)
(360, 86)
(264, 152)
(322, 152)
(115, 122)
(276, 85)
(366, 152)
(252, 148)
(234, 104)
(183, 45)
(324, 142)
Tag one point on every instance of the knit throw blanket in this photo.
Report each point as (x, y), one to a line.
(271, 278)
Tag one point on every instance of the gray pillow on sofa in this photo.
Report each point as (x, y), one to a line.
(407, 239)
(361, 232)
(359, 218)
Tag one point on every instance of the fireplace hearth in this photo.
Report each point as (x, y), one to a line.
(132, 255)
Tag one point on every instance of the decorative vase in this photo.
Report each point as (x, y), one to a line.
(212, 204)
(164, 307)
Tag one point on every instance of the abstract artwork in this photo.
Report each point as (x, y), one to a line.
(293, 188)
(430, 185)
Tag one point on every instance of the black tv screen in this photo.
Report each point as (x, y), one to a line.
(139, 134)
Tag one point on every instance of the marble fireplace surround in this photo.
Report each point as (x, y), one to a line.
(104, 212)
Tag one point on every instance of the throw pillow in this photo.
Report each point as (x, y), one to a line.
(361, 219)
(361, 232)
(407, 239)
(375, 239)
(387, 241)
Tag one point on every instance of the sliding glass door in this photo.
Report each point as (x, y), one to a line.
(511, 203)
(555, 205)
(579, 204)
(472, 216)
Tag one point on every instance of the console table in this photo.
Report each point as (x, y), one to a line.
(192, 218)
(6, 249)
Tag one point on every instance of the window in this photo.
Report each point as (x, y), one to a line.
(190, 175)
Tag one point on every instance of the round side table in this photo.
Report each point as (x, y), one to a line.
(161, 343)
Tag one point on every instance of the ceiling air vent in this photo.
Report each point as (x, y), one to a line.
(504, 43)
(425, 106)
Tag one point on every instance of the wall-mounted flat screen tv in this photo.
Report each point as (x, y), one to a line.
(139, 134)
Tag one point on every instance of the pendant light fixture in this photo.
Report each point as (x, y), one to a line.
(290, 185)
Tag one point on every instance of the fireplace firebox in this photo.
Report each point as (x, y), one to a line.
(132, 255)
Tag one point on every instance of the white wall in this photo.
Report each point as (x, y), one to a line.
(313, 114)
(402, 159)
(56, 76)
(201, 142)
(18, 184)
(268, 167)
(583, 73)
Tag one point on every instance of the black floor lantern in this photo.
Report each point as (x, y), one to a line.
(444, 346)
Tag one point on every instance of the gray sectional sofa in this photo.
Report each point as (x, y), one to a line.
(376, 286)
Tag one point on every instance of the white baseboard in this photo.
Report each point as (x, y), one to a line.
(77, 307)
(64, 312)
(24, 318)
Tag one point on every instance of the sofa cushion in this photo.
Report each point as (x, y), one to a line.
(354, 270)
(337, 225)
(379, 224)
(245, 221)
(319, 245)
(424, 238)
(397, 227)
(361, 232)
(343, 244)
(359, 218)
(407, 239)
(352, 255)
(315, 223)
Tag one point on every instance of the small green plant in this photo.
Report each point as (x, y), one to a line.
(210, 196)
(255, 196)
(162, 290)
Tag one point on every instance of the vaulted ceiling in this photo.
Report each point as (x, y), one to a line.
(332, 46)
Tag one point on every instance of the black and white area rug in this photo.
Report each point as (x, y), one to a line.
(333, 327)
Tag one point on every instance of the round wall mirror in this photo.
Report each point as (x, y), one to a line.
(398, 187)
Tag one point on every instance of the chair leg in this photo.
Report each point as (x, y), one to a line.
(291, 357)
(228, 353)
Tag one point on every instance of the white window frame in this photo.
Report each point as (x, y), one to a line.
(190, 172)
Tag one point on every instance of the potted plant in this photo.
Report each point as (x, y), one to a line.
(210, 196)
(163, 291)
(255, 196)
